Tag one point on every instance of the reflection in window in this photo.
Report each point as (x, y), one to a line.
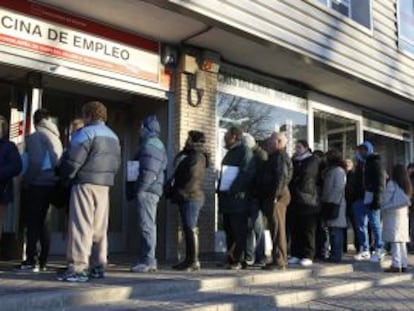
(260, 119)
(406, 25)
(358, 10)
(392, 151)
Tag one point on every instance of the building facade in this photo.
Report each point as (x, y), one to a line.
(334, 72)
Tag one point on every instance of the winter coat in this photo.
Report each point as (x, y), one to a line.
(235, 199)
(334, 192)
(256, 166)
(374, 179)
(189, 174)
(10, 166)
(275, 176)
(395, 221)
(152, 158)
(93, 157)
(303, 187)
(45, 142)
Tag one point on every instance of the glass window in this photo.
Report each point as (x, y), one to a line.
(406, 25)
(260, 119)
(358, 10)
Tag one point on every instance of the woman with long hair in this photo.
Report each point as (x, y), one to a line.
(394, 208)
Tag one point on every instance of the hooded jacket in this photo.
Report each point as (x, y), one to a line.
(44, 150)
(10, 166)
(369, 176)
(94, 156)
(189, 173)
(152, 158)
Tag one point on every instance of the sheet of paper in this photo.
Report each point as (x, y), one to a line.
(228, 175)
(368, 197)
(132, 171)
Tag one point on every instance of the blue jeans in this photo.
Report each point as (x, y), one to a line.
(363, 215)
(255, 234)
(147, 222)
(189, 212)
(336, 237)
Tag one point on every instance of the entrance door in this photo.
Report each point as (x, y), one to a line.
(125, 112)
(334, 132)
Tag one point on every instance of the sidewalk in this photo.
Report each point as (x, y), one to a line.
(211, 287)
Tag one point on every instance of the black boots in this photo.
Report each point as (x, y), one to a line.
(191, 261)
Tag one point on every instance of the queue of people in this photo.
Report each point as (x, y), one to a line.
(306, 201)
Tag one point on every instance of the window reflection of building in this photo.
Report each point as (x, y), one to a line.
(260, 119)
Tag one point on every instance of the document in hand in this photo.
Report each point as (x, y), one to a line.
(228, 175)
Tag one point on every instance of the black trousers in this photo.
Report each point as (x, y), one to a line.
(36, 206)
(303, 235)
(235, 227)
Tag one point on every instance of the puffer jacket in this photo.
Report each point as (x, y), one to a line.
(93, 157)
(45, 142)
(152, 158)
(10, 166)
(303, 187)
(189, 174)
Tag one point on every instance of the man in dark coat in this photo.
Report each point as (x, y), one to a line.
(369, 181)
(152, 159)
(233, 187)
(273, 190)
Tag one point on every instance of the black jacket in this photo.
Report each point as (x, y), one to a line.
(189, 174)
(10, 166)
(275, 175)
(374, 179)
(303, 187)
(235, 199)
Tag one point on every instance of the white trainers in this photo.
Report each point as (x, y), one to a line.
(306, 262)
(361, 256)
(294, 261)
(378, 255)
(143, 268)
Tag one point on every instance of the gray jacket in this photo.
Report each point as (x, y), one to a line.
(44, 150)
(334, 192)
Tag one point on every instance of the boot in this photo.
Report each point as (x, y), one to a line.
(183, 264)
(191, 239)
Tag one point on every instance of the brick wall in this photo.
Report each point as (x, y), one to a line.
(202, 118)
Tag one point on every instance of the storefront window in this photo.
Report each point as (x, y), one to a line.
(260, 119)
(358, 10)
(406, 25)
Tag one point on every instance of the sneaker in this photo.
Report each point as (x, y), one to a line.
(378, 256)
(306, 262)
(362, 256)
(42, 267)
(234, 266)
(143, 268)
(77, 277)
(97, 272)
(293, 261)
(28, 267)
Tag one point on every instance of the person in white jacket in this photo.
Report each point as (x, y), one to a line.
(394, 209)
(333, 193)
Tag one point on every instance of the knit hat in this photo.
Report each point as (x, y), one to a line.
(197, 136)
(368, 146)
(152, 125)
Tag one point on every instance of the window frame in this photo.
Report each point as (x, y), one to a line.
(402, 38)
(348, 19)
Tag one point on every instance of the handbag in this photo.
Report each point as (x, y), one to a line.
(398, 198)
(330, 211)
